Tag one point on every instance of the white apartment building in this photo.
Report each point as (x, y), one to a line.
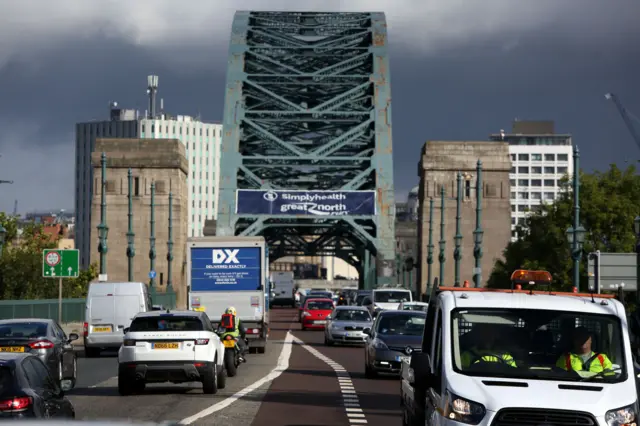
(539, 162)
(202, 142)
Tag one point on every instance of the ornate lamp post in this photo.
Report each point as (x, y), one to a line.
(3, 234)
(575, 238)
(103, 229)
(478, 233)
(131, 251)
(170, 246)
(152, 238)
(430, 248)
(457, 251)
(636, 228)
(442, 243)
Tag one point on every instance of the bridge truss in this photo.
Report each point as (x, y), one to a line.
(308, 107)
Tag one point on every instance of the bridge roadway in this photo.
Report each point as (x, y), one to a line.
(299, 381)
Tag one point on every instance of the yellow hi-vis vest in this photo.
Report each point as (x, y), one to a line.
(595, 364)
(476, 356)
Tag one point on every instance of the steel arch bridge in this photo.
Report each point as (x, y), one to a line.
(308, 107)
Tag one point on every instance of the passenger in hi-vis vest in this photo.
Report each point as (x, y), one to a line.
(484, 348)
(581, 357)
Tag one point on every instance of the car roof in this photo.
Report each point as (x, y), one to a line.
(398, 312)
(318, 299)
(21, 320)
(415, 303)
(351, 308)
(184, 313)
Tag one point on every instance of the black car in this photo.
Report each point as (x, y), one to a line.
(45, 339)
(28, 390)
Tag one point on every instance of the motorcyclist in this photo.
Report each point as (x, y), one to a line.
(239, 333)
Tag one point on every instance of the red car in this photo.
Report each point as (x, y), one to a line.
(315, 312)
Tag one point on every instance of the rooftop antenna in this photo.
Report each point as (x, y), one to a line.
(161, 106)
(15, 208)
(152, 91)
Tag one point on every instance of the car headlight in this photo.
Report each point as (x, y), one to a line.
(462, 410)
(622, 416)
(379, 344)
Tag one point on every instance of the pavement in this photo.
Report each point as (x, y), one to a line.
(298, 381)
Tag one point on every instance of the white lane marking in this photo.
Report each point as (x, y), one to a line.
(283, 364)
(350, 398)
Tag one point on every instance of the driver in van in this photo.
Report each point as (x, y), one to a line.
(484, 349)
(581, 356)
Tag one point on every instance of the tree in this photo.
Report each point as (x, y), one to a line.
(608, 206)
(21, 265)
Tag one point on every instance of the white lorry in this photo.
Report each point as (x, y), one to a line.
(282, 288)
(231, 271)
(519, 357)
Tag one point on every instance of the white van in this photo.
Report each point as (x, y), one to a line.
(383, 299)
(283, 288)
(507, 357)
(110, 308)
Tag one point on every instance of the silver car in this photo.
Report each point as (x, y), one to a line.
(347, 324)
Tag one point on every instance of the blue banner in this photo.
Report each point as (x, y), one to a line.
(310, 203)
(226, 269)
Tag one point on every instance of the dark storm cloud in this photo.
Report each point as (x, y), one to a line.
(470, 84)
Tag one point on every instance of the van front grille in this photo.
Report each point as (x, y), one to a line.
(536, 417)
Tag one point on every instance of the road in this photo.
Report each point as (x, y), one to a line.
(298, 381)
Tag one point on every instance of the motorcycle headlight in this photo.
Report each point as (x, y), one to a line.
(622, 416)
(462, 410)
(379, 344)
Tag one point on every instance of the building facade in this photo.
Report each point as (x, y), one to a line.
(540, 158)
(161, 161)
(202, 144)
(440, 163)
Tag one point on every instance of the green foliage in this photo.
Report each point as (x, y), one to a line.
(608, 206)
(21, 266)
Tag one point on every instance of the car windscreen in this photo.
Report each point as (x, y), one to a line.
(391, 296)
(538, 344)
(414, 308)
(404, 324)
(360, 298)
(167, 323)
(26, 330)
(319, 305)
(352, 315)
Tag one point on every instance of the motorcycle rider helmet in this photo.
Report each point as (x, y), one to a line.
(231, 311)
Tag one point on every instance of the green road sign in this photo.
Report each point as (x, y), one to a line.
(60, 263)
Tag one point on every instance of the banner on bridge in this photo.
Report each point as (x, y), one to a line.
(311, 203)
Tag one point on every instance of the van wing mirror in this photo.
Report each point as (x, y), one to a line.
(126, 330)
(421, 365)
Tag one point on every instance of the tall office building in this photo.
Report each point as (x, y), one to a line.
(202, 143)
(539, 160)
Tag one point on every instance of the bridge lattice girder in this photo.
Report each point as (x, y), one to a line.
(307, 107)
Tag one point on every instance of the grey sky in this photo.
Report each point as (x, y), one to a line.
(459, 70)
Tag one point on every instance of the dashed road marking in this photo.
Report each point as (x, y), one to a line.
(350, 399)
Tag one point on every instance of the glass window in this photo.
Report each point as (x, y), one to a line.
(549, 157)
(513, 220)
(544, 337)
(523, 157)
(319, 305)
(523, 170)
(523, 182)
(523, 208)
(407, 323)
(549, 169)
(6, 380)
(43, 372)
(523, 195)
(352, 315)
(549, 196)
(513, 208)
(30, 330)
(512, 182)
(562, 170)
(35, 380)
(563, 157)
(536, 157)
(513, 156)
(536, 196)
(166, 322)
(536, 170)
(536, 182)
(391, 296)
(513, 195)
(513, 169)
(549, 182)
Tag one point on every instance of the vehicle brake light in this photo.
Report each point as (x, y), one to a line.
(16, 404)
(202, 341)
(41, 344)
(129, 342)
(85, 329)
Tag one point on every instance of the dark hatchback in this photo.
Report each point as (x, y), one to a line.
(28, 390)
(45, 339)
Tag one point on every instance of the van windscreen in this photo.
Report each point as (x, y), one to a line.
(166, 323)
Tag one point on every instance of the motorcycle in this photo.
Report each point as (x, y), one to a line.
(231, 352)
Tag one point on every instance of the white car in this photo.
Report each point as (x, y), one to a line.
(413, 306)
(171, 346)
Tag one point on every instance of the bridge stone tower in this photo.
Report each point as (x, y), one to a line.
(308, 112)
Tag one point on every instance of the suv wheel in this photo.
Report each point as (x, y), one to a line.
(210, 380)
(222, 377)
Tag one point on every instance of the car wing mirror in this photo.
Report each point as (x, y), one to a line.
(73, 337)
(420, 364)
(367, 331)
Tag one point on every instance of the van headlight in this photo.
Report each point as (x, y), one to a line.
(622, 416)
(462, 410)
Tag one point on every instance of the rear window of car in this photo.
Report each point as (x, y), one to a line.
(167, 323)
(6, 379)
(320, 305)
(23, 329)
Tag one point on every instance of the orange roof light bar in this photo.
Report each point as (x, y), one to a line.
(528, 292)
(524, 276)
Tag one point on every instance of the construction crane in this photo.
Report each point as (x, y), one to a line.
(626, 116)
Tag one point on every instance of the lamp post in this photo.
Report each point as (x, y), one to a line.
(636, 228)
(3, 234)
(103, 229)
(152, 238)
(457, 251)
(131, 251)
(478, 233)
(170, 246)
(430, 248)
(575, 238)
(443, 242)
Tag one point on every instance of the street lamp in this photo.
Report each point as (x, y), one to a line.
(575, 238)
(636, 228)
(3, 233)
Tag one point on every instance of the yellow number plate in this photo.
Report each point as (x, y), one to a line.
(102, 329)
(166, 346)
(229, 343)
(12, 349)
